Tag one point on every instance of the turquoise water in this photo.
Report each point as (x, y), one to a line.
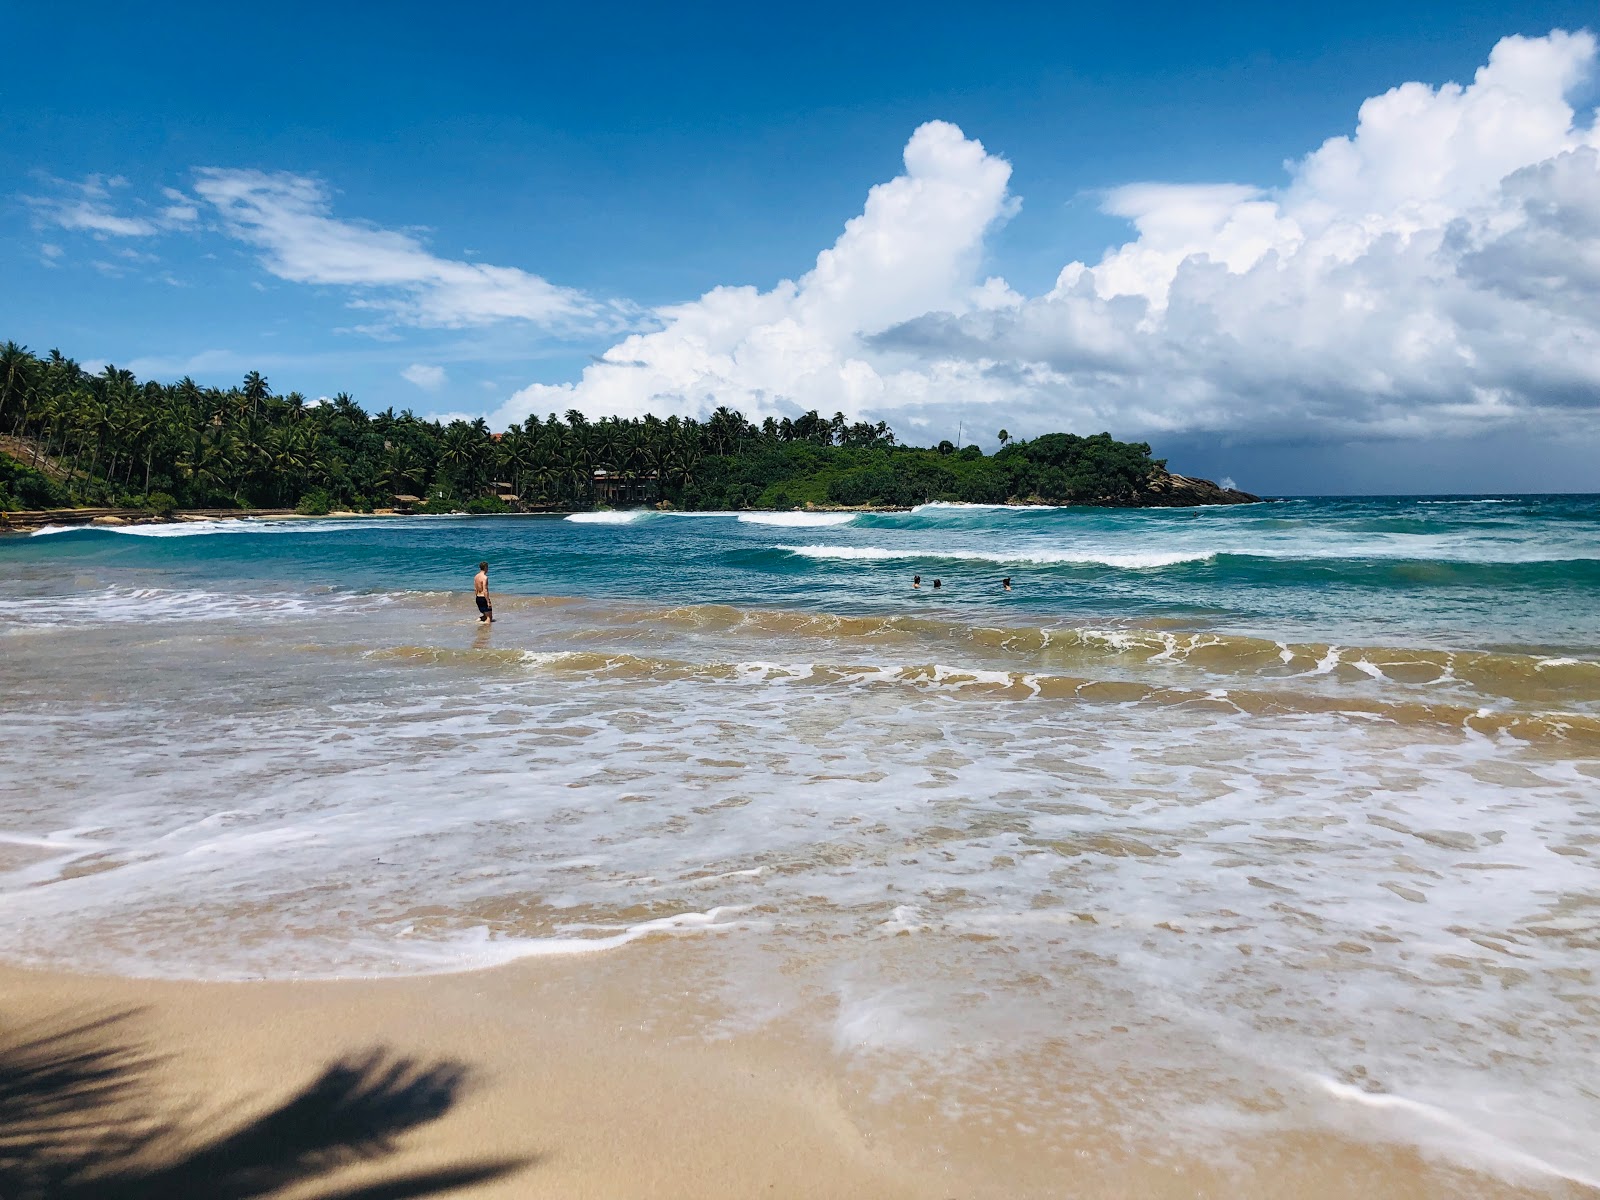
(1482, 572)
(1223, 825)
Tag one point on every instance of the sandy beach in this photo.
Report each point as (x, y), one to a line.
(587, 1103)
(582, 1086)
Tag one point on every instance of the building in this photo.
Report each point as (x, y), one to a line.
(618, 488)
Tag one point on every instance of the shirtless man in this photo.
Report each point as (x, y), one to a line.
(480, 589)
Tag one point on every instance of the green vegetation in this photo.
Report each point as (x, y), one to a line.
(23, 487)
(110, 439)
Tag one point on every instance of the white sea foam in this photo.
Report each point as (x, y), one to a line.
(610, 517)
(252, 525)
(1449, 1135)
(479, 947)
(954, 506)
(797, 520)
(122, 605)
(1131, 561)
(597, 800)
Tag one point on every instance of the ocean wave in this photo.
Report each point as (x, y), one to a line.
(1135, 561)
(797, 520)
(1448, 1135)
(177, 529)
(480, 947)
(122, 605)
(609, 517)
(1419, 670)
(1296, 690)
(934, 506)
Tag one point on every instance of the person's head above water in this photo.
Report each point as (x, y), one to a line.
(916, 581)
(1006, 583)
(483, 566)
(936, 583)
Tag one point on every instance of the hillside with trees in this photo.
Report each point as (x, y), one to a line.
(72, 438)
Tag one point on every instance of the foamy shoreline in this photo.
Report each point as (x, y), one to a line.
(1258, 874)
(587, 1077)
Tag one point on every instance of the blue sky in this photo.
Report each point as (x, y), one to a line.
(461, 210)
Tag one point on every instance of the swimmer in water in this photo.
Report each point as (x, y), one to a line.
(1006, 583)
(916, 581)
(937, 585)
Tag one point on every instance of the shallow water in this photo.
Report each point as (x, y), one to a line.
(1224, 821)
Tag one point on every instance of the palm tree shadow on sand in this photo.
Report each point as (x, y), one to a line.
(78, 1119)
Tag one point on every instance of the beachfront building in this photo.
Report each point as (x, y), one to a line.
(626, 487)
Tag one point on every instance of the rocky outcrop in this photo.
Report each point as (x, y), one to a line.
(1168, 490)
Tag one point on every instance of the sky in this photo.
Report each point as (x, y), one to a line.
(1355, 249)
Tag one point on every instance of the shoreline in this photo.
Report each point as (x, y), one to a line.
(602, 1078)
(25, 521)
(1178, 492)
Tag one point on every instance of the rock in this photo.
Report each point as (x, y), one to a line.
(109, 521)
(1180, 491)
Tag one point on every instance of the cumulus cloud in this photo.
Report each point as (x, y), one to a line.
(1433, 272)
(427, 377)
(916, 247)
(288, 219)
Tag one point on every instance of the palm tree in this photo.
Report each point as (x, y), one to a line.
(606, 443)
(205, 461)
(457, 451)
(682, 461)
(85, 420)
(15, 365)
(403, 470)
(47, 412)
(546, 478)
(255, 390)
(515, 457)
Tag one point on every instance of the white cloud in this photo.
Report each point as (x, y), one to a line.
(1435, 272)
(181, 210)
(425, 376)
(916, 247)
(288, 219)
(87, 207)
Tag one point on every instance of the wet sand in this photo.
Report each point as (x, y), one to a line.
(580, 1072)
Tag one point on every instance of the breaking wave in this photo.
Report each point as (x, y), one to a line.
(1133, 561)
(620, 517)
(179, 529)
(797, 520)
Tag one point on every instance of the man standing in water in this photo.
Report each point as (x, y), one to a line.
(480, 589)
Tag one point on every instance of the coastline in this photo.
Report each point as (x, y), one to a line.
(589, 1075)
(960, 970)
(27, 520)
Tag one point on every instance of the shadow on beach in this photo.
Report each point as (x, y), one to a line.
(78, 1118)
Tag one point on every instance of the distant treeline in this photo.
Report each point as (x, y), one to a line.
(108, 439)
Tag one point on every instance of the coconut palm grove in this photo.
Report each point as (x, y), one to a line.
(70, 437)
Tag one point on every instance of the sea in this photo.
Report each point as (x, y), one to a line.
(1222, 823)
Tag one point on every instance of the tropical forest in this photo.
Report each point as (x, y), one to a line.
(72, 437)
